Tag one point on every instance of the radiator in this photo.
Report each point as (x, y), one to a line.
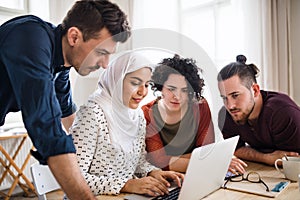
(10, 146)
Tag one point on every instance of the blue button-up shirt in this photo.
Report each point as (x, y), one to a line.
(34, 80)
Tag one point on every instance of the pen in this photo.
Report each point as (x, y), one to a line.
(280, 186)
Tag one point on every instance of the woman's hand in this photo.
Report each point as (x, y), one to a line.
(155, 184)
(166, 176)
(146, 185)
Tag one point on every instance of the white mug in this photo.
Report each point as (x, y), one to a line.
(291, 167)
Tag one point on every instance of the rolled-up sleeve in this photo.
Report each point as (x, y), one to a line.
(63, 93)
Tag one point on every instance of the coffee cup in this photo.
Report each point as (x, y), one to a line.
(290, 167)
(299, 181)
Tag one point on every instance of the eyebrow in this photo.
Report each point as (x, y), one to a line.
(171, 86)
(137, 78)
(235, 92)
(232, 93)
(103, 51)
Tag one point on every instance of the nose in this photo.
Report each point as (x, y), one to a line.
(230, 104)
(103, 62)
(177, 95)
(143, 90)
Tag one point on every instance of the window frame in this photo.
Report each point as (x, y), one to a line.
(7, 10)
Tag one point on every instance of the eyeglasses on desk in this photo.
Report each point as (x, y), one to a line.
(252, 177)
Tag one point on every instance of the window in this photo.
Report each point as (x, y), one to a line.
(16, 6)
(216, 26)
(12, 8)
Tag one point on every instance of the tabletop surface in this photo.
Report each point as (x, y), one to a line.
(291, 192)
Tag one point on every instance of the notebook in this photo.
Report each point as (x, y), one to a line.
(206, 170)
(258, 188)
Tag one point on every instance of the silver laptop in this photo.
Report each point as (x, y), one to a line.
(206, 170)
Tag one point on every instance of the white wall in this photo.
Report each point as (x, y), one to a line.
(39, 8)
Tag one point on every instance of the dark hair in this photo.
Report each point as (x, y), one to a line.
(184, 66)
(90, 16)
(247, 73)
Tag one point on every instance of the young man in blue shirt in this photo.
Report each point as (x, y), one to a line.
(35, 60)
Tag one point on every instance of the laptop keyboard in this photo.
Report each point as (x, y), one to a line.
(173, 195)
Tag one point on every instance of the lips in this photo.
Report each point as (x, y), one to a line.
(234, 111)
(137, 100)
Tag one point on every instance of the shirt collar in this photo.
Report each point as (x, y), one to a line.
(58, 53)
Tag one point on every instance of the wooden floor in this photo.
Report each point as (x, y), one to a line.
(56, 195)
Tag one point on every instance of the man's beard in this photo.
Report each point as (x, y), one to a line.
(245, 116)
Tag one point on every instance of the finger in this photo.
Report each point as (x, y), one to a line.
(238, 165)
(232, 170)
(181, 176)
(152, 193)
(242, 163)
(150, 187)
(158, 186)
(240, 169)
(144, 187)
(292, 154)
(162, 178)
(178, 178)
(161, 189)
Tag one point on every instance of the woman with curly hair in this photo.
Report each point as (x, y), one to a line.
(179, 120)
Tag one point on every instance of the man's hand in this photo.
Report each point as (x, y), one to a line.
(67, 122)
(247, 153)
(67, 173)
(270, 158)
(237, 166)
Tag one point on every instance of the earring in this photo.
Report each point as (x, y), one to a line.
(157, 93)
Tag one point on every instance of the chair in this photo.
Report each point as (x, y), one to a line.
(43, 180)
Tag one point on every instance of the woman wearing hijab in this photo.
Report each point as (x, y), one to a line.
(109, 133)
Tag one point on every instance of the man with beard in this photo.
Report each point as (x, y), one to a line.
(268, 122)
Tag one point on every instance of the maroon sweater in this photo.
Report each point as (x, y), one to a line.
(277, 127)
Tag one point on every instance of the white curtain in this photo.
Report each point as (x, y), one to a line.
(58, 10)
(276, 46)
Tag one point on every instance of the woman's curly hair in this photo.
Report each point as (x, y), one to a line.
(184, 66)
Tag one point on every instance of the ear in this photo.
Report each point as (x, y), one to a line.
(256, 89)
(74, 35)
